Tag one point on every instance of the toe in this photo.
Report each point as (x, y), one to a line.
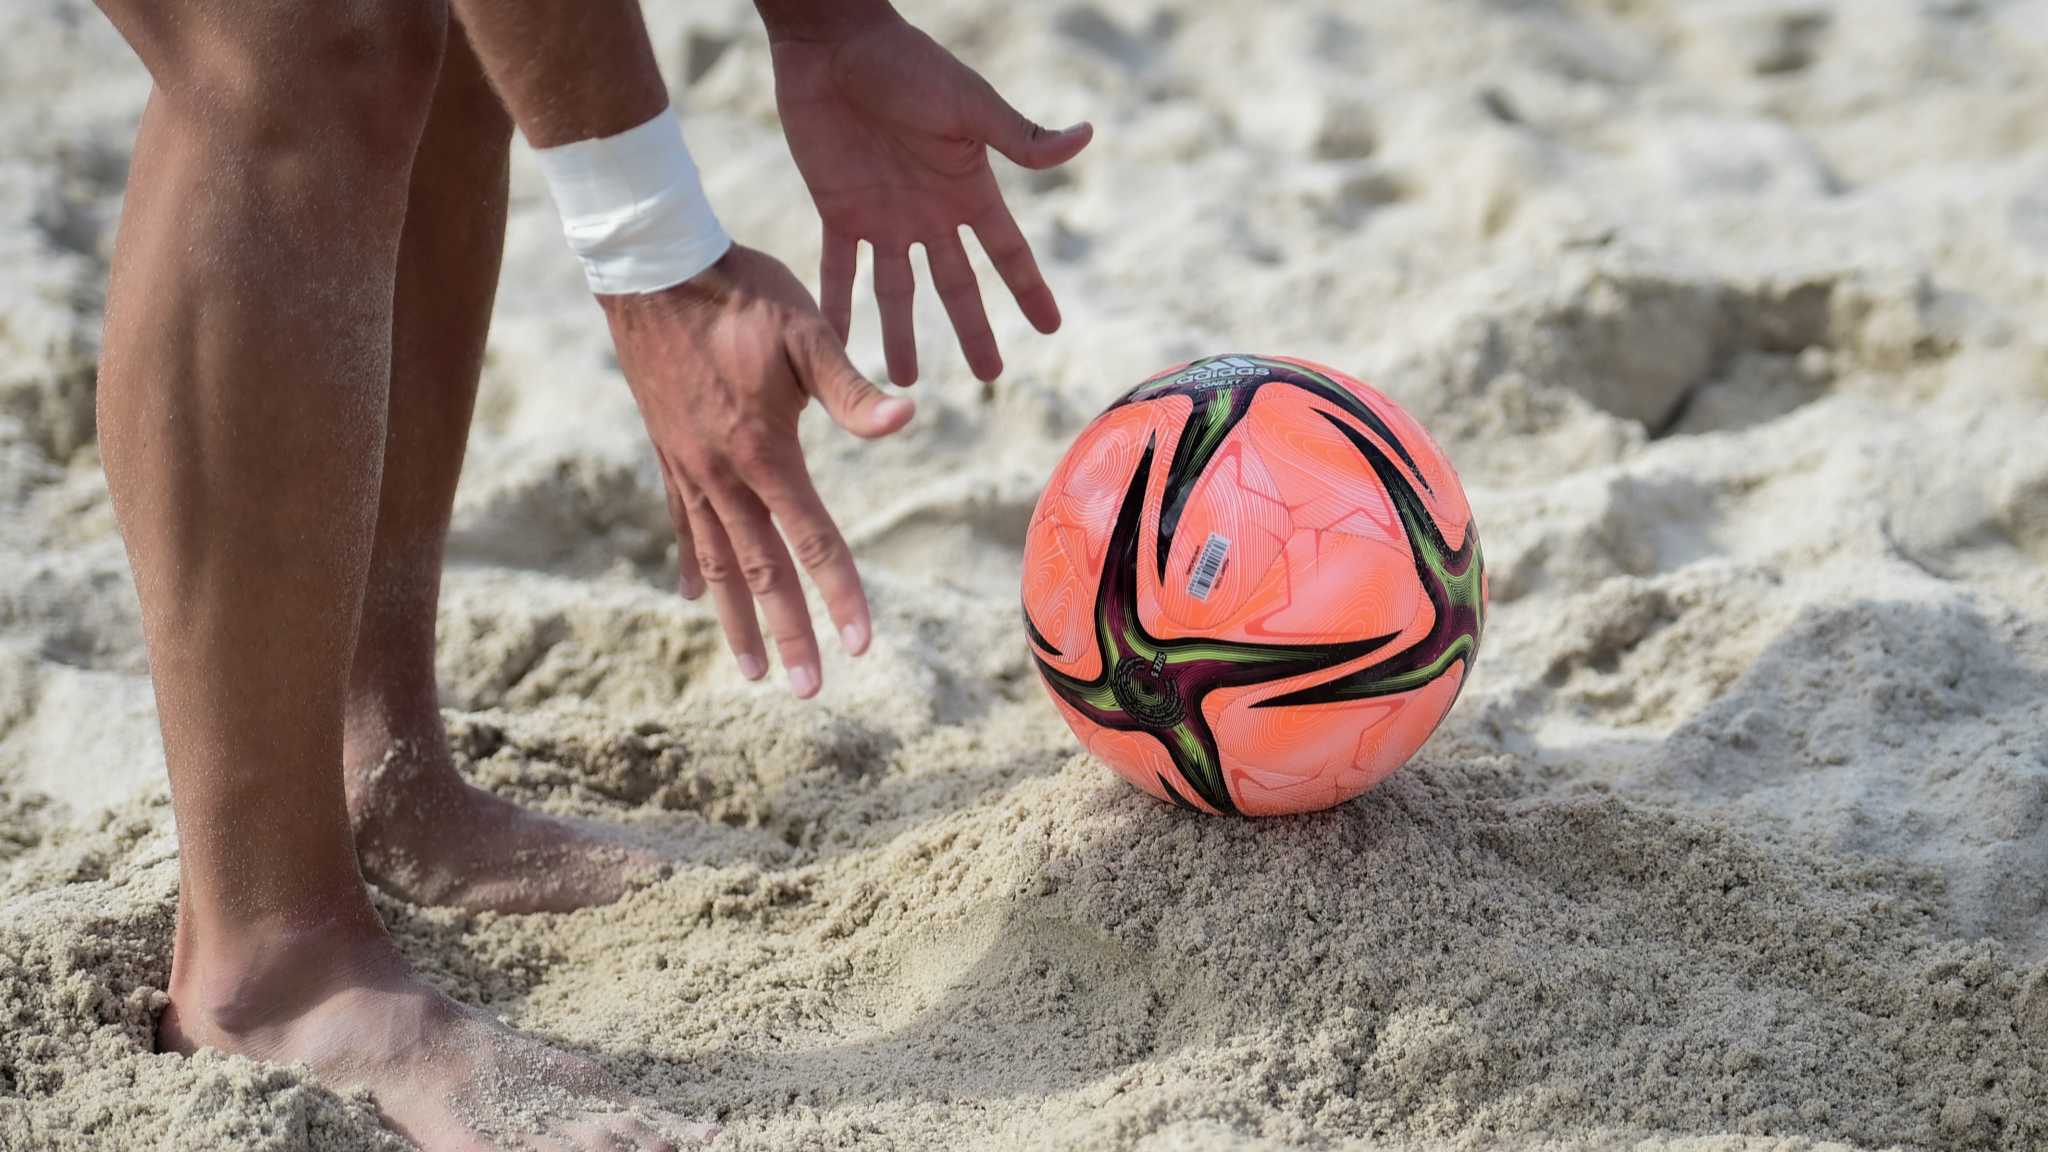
(594, 1136)
(680, 1130)
(640, 1137)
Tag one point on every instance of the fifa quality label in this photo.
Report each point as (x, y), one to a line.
(1209, 565)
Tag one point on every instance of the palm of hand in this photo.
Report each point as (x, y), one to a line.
(891, 134)
(878, 140)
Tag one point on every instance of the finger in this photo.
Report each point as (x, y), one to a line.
(894, 289)
(836, 269)
(721, 571)
(1022, 140)
(854, 404)
(816, 541)
(954, 278)
(689, 580)
(1011, 254)
(770, 575)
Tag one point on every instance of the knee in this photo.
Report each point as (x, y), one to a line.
(357, 77)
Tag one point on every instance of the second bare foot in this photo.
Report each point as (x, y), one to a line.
(425, 834)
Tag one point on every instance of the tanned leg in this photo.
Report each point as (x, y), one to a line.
(421, 831)
(242, 404)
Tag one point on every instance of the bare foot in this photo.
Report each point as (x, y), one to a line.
(425, 834)
(444, 1076)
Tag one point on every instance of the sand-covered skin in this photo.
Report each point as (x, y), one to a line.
(1733, 316)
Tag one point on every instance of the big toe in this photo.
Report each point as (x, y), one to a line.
(679, 1130)
(616, 1133)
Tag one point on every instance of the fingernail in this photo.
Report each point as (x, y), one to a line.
(751, 666)
(855, 637)
(803, 680)
(893, 407)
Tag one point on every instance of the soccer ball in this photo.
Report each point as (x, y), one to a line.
(1253, 585)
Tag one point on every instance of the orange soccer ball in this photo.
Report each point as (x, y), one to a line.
(1253, 585)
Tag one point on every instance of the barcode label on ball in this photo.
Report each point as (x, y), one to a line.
(1209, 565)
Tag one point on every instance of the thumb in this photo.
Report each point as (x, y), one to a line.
(854, 404)
(1026, 143)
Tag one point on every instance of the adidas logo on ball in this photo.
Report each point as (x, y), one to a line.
(1219, 370)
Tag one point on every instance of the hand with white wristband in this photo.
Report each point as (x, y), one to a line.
(722, 348)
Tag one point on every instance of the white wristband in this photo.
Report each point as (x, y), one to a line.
(633, 208)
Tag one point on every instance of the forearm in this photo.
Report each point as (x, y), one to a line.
(580, 80)
(819, 19)
(567, 69)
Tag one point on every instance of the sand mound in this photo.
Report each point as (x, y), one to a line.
(1731, 314)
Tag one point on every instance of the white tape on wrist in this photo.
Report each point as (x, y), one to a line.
(633, 208)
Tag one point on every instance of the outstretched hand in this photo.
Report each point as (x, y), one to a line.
(892, 133)
(721, 365)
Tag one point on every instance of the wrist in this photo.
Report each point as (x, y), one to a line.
(633, 208)
(821, 20)
(715, 282)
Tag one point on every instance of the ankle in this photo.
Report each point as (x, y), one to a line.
(390, 699)
(242, 987)
(391, 751)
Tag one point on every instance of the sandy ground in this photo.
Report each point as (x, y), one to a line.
(1733, 315)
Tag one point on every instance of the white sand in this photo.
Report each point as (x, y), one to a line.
(1733, 315)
